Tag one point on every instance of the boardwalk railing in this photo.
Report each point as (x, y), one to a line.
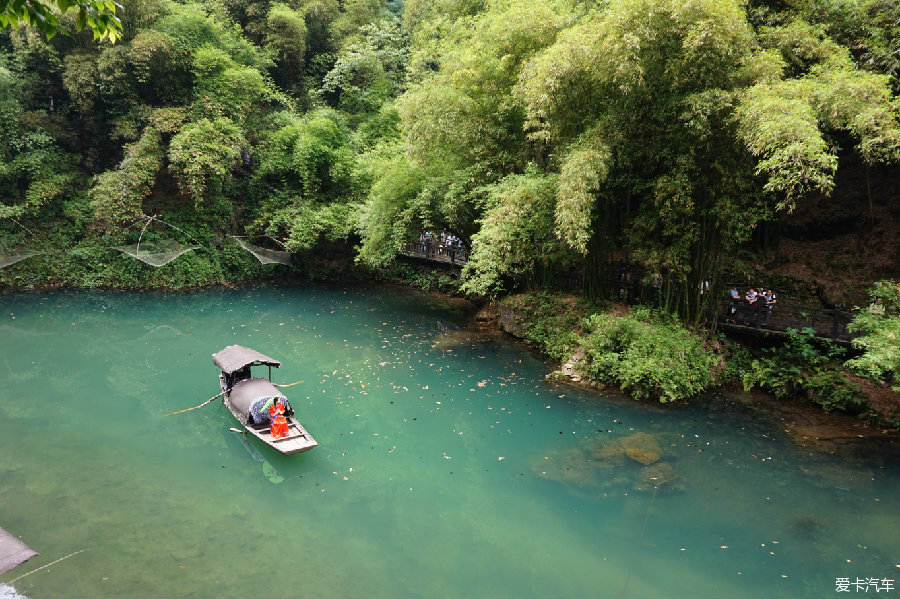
(437, 251)
(833, 324)
(734, 316)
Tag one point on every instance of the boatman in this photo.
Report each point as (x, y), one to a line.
(279, 422)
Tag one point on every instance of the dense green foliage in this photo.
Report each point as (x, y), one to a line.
(98, 15)
(808, 367)
(669, 128)
(879, 325)
(646, 353)
(545, 136)
(549, 320)
(213, 117)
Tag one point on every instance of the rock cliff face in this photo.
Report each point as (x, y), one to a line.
(510, 322)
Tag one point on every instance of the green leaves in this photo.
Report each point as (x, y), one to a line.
(308, 158)
(370, 72)
(117, 195)
(784, 123)
(649, 355)
(305, 181)
(516, 232)
(582, 173)
(202, 154)
(780, 126)
(805, 366)
(287, 33)
(389, 216)
(879, 324)
(223, 88)
(99, 15)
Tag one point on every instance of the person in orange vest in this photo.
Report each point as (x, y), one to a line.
(279, 422)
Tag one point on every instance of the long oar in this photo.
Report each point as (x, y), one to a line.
(195, 407)
(288, 385)
(45, 566)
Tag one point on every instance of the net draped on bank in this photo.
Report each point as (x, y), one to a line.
(266, 255)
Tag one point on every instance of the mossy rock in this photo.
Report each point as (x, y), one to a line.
(644, 456)
(640, 447)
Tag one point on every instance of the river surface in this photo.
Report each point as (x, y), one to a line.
(447, 466)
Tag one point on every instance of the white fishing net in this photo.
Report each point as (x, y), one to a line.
(156, 253)
(9, 257)
(265, 255)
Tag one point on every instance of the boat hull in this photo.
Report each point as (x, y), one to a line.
(238, 400)
(298, 439)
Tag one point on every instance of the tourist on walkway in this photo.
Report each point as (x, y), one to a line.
(770, 300)
(735, 301)
(752, 306)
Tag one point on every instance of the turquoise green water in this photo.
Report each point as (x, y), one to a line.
(446, 466)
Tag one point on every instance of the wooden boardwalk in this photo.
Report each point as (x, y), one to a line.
(732, 317)
(437, 253)
(832, 324)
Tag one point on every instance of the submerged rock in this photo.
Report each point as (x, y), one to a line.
(807, 526)
(639, 447)
(632, 461)
(644, 456)
(570, 467)
(660, 474)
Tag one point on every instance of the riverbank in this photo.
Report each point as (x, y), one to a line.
(553, 327)
(811, 428)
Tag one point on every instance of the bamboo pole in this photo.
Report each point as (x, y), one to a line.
(219, 395)
(195, 407)
(45, 566)
(288, 385)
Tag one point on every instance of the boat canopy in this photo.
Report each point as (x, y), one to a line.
(247, 392)
(235, 357)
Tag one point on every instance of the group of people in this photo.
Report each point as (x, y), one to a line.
(445, 244)
(745, 310)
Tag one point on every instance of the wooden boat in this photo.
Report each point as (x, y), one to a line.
(245, 394)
